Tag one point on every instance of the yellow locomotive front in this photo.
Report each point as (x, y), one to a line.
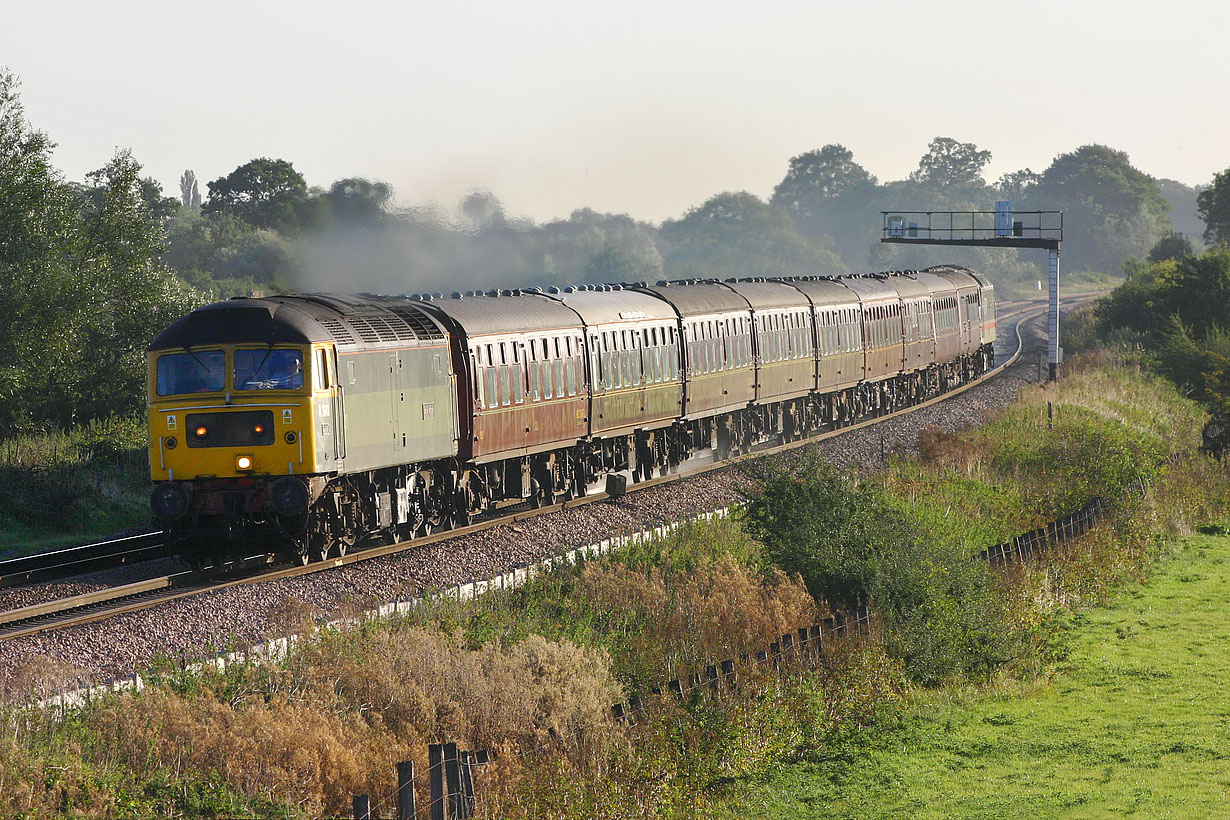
(241, 394)
(229, 412)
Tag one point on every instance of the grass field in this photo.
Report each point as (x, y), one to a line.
(1135, 724)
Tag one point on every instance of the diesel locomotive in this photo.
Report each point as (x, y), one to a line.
(311, 421)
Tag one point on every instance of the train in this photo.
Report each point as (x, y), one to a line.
(309, 422)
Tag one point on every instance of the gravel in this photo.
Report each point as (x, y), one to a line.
(200, 625)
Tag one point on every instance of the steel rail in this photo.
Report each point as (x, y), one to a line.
(63, 563)
(90, 607)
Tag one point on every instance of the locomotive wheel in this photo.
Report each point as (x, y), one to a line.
(198, 563)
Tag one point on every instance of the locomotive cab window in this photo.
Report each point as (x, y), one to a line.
(320, 369)
(196, 372)
(268, 369)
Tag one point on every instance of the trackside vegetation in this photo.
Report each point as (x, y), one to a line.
(1131, 725)
(532, 673)
(59, 488)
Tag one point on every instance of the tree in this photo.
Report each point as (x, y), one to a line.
(265, 193)
(951, 164)
(1184, 211)
(829, 194)
(1017, 185)
(1213, 204)
(851, 543)
(189, 193)
(358, 201)
(1171, 246)
(80, 291)
(480, 211)
(1112, 211)
(593, 247)
(738, 234)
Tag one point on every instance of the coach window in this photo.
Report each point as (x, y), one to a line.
(476, 364)
(696, 353)
(699, 332)
(546, 370)
(710, 358)
(648, 347)
(616, 362)
(634, 357)
(518, 373)
(545, 374)
(505, 384)
(605, 357)
(490, 378)
(531, 365)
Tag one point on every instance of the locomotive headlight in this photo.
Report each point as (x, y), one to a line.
(258, 429)
(243, 462)
(201, 431)
(169, 501)
(171, 442)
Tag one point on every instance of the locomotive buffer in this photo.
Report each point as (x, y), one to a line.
(1001, 228)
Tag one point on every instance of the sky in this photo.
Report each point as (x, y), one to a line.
(644, 108)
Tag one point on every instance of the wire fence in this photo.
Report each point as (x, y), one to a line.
(1033, 544)
(805, 646)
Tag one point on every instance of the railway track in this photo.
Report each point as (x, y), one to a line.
(63, 563)
(105, 603)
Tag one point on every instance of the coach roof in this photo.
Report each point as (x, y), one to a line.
(698, 298)
(609, 307)
(486, 315)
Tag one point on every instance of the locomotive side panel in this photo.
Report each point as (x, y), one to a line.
(398, 405)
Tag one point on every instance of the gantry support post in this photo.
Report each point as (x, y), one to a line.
(1052, 317)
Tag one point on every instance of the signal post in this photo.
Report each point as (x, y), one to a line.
(1001, 228)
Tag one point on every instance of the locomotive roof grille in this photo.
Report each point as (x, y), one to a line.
(338, 331)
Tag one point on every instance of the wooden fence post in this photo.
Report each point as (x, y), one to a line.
(405, 790)
(467, 783)
(435, 776)
(452, 781)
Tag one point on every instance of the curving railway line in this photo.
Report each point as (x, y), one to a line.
(97, 605)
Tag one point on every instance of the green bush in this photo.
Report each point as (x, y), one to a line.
(851, 542)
